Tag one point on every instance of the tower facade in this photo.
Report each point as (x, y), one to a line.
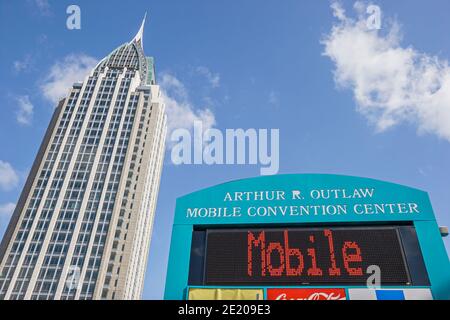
(82, 226)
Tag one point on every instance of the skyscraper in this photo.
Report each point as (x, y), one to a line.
(82, 226)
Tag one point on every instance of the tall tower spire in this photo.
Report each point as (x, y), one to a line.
(139, 36)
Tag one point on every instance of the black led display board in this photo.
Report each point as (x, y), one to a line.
(298, 256)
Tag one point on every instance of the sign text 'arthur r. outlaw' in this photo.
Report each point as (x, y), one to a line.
(319, 202)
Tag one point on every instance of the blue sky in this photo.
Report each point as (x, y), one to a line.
(346, 102)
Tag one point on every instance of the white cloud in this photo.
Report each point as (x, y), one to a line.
(338, 10)
(8, 176)
(22, 65)
(181, 113)
(7, 209)
(213, 78)
(63, 74)
(24, 114)
(391, 83)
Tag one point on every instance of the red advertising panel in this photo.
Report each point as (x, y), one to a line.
(306, 294)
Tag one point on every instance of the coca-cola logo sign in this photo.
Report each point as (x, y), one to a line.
(306, 294)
